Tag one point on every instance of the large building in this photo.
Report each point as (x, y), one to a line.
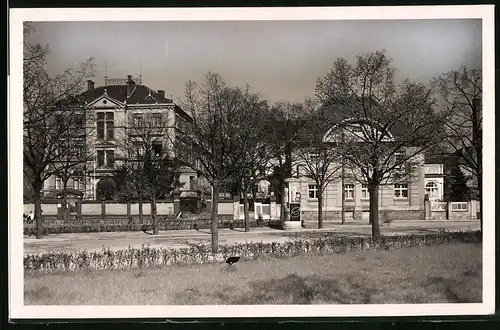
(113, 113)
(403, 198)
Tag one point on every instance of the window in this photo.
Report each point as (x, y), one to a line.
(399, 160)
(110, 158)
(401, 191)
(78, 184)
(58, 183)
(313, 191)
(79, 122)
(61, 148)
(110, 126)
(157, 122)
(349, 191)
(100, 158)
(364, 192)
(191, 183)
(105, 125)
(431, 189)
(137, 120)
(314, 155)
(100, 125)
(157, 148)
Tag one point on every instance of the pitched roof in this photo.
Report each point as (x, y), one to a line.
(336, 111)
(141, 94)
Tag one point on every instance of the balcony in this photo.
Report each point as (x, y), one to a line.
(433, 169)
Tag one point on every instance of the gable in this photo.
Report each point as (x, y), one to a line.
(105, 101)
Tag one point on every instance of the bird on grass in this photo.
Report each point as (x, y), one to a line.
(232, 260)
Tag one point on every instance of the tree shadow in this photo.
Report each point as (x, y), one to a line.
(452, 289)
(301, 290)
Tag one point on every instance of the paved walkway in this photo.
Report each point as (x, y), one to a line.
(186, 238)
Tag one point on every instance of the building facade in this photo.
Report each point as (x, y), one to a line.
(113, 112)
(397, 198)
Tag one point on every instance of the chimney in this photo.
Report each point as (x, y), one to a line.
(90, 85)
(130, 85)
(162, 93)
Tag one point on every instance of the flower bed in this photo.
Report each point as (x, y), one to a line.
(146, 256)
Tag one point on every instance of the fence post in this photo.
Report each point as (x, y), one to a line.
(177, 203)
(129, 217)
(449, 211)
(272, 208)
(103, 212)
(236, 208)
(427, 209)
(141, 215)
(472, 209)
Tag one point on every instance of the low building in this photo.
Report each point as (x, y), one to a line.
(397, 198)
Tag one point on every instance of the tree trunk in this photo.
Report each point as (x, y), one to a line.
(320, 207)
(245, 210)
(373, 191)
(37, 187)
(215, 219)
(480, 196)
(254, 194)
(343, 196)
(283, 202)
(65, 200)
(153, 215)
(140, 210)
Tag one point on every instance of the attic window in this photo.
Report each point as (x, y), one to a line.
(104, 101)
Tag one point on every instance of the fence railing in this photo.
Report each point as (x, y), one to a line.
(438, 206)
(459, 206)
(433, 168)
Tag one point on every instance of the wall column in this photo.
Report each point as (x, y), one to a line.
(273, 209)
(236, 208)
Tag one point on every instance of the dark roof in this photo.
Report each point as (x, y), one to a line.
(340, 112)
(141, 94)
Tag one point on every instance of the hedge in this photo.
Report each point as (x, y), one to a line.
(146, 256)
(164, 225)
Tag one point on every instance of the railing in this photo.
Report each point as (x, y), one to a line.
(433, 169)
(459, 206)
(438, 206)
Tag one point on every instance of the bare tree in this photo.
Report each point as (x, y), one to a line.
(71, 159)
(44, 120)
(256, 153)
(148, 167)
(460, 94)
(319, 160)
(218, 140)
(383, 128)
(283, 126)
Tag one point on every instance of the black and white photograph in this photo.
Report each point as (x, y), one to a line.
(251, 161)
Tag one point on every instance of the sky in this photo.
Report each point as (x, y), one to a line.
(280, 59)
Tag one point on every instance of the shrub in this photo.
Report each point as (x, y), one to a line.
(96, 225)
(146, 256)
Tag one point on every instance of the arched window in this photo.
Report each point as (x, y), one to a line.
(431, 189)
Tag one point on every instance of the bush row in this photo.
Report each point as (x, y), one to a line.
(163, 225)
(146, 256)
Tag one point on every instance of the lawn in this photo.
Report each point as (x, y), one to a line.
(435, 274)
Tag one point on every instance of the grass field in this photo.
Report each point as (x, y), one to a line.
(435, 274)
